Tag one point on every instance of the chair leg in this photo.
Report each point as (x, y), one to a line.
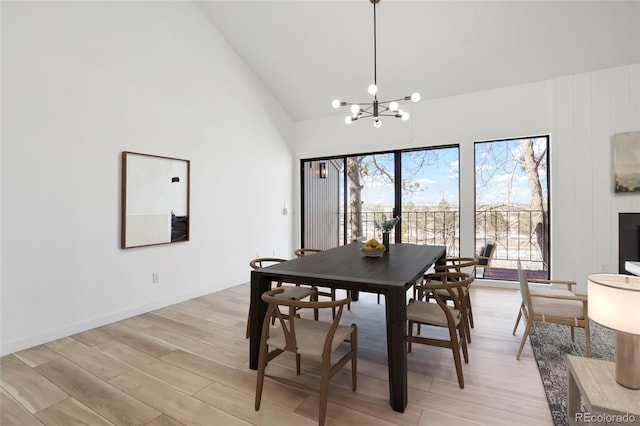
(333, 297)
(465, 320)
(587, 338)
(455, 347)
(573, 333)
(524, 339)
(465, 346)
(324, 396)
(354, 357)
(470, 310)
(314, 298)
(515, 327)
(262, 365)
(410, 336)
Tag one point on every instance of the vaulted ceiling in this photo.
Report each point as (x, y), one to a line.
(310, 52)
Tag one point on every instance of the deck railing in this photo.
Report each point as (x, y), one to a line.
(513, 231)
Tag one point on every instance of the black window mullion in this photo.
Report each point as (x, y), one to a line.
(397, 209)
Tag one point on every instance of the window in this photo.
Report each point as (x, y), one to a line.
(422, 186)
(512, 205)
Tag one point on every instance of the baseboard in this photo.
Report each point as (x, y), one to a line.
(495, 283)
(48, 336)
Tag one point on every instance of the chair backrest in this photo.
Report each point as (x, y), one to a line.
(486, 253)
(305, 251)
(457, 264)
(524, 289)
(287, 319)
(451, 281)
(263, 262)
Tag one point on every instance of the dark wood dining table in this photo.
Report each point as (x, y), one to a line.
(345, 267)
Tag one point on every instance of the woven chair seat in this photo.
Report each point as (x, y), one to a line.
(295, 292)
(557, 307)
(548, 291)
(430, 313)
(310, 337)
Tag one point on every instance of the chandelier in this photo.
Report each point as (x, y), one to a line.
(376, 108)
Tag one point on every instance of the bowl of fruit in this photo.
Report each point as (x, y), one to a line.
(373, 248)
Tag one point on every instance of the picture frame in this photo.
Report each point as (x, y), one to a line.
(155, 200)
(626, 161)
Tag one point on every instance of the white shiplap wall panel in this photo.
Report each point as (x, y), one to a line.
(587, 110)
(563, 235)
(584, 173)
(602, 183)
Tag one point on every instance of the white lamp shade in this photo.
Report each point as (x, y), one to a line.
(614, 301)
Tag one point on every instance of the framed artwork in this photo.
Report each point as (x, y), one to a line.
(626, 161)
(155, 200)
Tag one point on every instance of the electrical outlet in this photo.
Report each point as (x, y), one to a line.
(156, 277)
(604, 267)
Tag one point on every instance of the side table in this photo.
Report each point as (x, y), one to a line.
(606, 402)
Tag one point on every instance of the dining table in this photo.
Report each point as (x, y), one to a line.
(347, 267)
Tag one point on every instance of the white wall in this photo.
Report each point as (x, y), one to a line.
(580, 113)
(84, 81)
(587, 110)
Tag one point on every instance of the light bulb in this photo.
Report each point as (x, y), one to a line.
(415, 97)
(372, 89)
(335, 103)
(377, 123)
(393, 106)
(355, 109)
(347, 119)
(405, 116)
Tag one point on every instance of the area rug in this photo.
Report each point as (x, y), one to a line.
(551, 343)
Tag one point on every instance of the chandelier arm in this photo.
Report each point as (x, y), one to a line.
(406, 98)
(355, 103)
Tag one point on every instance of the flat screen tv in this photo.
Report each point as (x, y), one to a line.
(628, 240)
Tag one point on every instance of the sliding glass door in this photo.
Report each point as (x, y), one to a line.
(421, 186)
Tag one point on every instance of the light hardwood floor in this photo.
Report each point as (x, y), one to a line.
(187, 364)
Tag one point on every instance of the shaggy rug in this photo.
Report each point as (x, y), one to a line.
(551, 343)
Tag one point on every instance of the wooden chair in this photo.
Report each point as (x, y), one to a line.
(440, 314)
(485, 256)
(316, 340)
(296, 292)
(459, 264)
(330, 293)
(553, 307)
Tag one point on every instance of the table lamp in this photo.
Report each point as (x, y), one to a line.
(614, 302)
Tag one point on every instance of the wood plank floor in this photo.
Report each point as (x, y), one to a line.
(187, 364)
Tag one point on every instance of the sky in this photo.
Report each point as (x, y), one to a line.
(436, 173)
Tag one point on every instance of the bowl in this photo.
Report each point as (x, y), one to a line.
(373, 253)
